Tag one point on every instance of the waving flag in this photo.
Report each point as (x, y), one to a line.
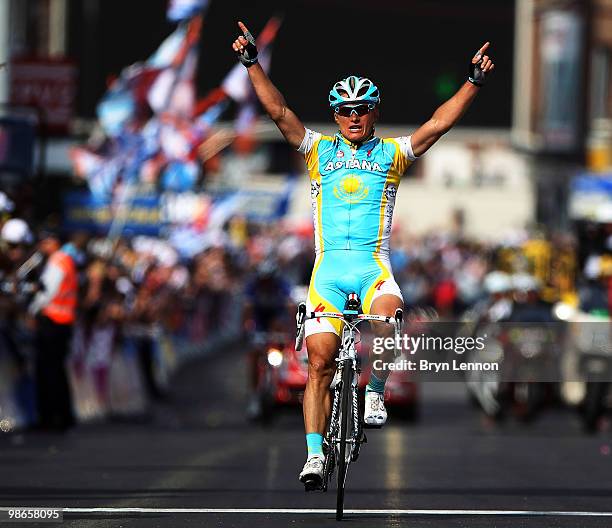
(173, 90)
(148, 102)
(147, 86)
(125, 100)
(100, 173)
(151, 120)
(179, 10)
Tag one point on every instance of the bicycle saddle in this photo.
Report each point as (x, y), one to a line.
(350, 285)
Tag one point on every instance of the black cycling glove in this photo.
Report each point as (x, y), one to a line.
(249, 56)
(475, 73)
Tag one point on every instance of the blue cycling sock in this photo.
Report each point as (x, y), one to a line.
(314, 442)
(375, 384)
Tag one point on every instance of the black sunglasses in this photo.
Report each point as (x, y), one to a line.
(360, 109)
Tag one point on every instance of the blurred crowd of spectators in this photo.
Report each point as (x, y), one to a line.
(449, 272)
(131, 290)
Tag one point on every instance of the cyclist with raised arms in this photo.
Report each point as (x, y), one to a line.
(354, 178)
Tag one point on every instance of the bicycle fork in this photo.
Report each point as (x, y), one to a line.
(348, 357)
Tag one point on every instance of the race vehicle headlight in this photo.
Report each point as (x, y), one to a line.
(563, 311)
(275, 357)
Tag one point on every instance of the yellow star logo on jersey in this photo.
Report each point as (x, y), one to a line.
(351, 189)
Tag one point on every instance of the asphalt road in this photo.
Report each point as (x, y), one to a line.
(198, 452)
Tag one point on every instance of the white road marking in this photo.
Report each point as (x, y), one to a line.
(322, 511)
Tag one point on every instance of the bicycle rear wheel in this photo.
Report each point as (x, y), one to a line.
(346, 422)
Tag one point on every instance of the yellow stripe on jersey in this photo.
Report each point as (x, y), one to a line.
(318, 301)
(385, 274)
(312, 157)
(400, 161)
(315, 179)
(393, 177)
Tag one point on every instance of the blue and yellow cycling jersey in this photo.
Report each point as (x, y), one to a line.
(353, 189)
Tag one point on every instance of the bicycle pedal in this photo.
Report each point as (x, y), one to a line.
(314, 484)
(371, 426)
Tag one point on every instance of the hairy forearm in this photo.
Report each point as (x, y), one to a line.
(270, 98)
(449, 114)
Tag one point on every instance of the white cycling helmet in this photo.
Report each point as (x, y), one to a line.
(353, 90)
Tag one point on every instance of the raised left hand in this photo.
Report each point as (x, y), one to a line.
(480, 66)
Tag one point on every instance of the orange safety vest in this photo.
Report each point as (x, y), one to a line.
(62, 308)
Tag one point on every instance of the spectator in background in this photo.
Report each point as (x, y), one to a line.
(16, 237)
(595, 290)
(266, 311)
(55, 310)
(15, 245)
(96, 332)
(268, 300)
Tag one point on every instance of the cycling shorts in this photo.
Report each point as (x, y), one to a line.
(374, 274)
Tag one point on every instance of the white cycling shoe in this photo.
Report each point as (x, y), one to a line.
(312, 474)
(375, 414)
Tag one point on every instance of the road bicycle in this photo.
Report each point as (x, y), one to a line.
(345, 435)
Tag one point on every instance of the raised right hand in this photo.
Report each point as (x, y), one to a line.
(245, 47)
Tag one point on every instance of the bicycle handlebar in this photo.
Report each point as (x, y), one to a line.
(361, 317)
(301, 317)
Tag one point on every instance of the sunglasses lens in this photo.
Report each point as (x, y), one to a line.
(347, 111)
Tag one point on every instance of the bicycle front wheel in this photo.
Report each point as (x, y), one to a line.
(346, 423)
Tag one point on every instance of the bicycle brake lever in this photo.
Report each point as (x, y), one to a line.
(399, 319)
(301, 313)
(300, 316)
